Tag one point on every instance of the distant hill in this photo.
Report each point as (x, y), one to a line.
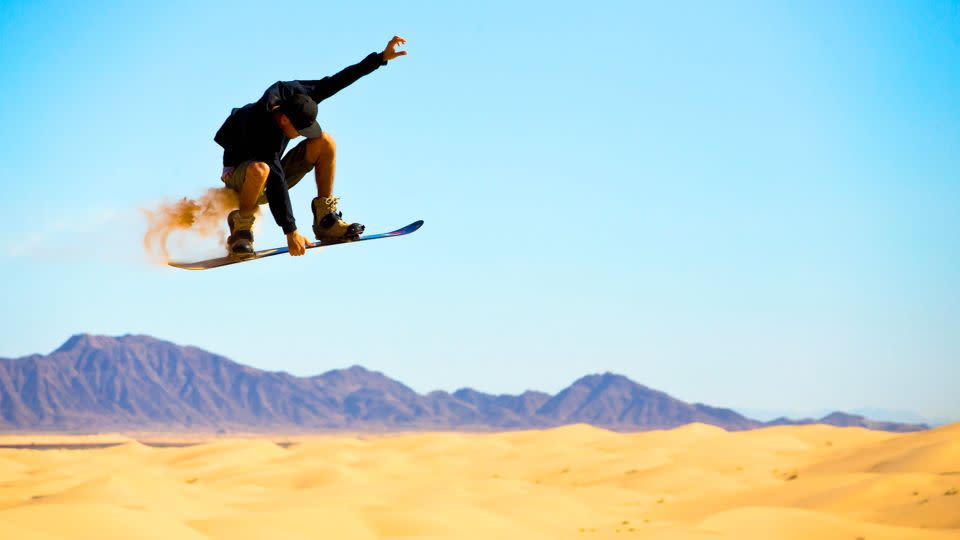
(98, 383)
(850, 420)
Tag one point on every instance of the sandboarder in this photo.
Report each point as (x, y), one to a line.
(255, 136)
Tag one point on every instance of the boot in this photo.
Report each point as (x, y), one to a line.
(328, 223)
(240, 241)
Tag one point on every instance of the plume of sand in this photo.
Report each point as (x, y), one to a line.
(204, 217)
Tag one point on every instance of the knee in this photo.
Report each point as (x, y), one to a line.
(258, 170)
(323, 145)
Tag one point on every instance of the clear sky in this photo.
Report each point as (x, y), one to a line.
(747, 204)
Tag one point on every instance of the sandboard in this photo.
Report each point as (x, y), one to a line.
(224, 261)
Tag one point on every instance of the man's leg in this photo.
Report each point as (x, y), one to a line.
(252, 179)
(322, 152)
(255, 179)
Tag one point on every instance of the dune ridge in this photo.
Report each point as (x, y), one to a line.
(575, 481)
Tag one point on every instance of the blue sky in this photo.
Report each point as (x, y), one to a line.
(747, 204)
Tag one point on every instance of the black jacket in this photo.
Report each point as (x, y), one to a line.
(251, 133)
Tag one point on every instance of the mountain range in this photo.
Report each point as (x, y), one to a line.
(135, 382)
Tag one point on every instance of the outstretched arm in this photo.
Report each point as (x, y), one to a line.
(323, 88)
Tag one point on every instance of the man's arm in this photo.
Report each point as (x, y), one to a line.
(321, 89)
(278, 196)
(279, 199)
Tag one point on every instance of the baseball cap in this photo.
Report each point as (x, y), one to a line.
(302, 112)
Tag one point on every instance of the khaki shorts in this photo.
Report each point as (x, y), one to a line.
(295, 167)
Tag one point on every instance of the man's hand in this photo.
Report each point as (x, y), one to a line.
(297, 244)
(389, 53)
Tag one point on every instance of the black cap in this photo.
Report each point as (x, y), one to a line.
(302, 112)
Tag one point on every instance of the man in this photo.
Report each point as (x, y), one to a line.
(253, 138)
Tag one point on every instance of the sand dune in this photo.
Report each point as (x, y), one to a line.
(694, 482)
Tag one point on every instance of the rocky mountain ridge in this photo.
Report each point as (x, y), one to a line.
(132, 382)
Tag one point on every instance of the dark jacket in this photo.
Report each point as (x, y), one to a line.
(251, 133)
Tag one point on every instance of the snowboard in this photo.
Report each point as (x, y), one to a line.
(224, 261)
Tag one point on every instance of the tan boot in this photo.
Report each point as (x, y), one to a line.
(240, 241)
(328, 223)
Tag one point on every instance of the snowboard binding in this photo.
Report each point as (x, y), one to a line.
(328, 224)
(240, 241)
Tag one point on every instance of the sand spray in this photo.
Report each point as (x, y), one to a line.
(204, 217)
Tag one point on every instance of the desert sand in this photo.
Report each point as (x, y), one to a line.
(694, 482)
